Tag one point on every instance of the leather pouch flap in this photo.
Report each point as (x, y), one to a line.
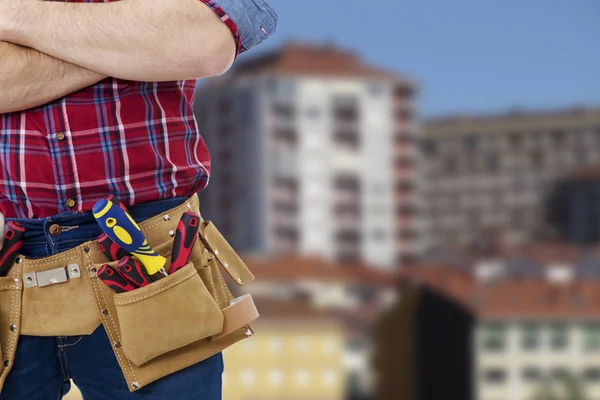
(225, 254)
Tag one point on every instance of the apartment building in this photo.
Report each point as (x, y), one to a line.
(489, 175)
(491, 332)
(355, 294)
(296, 353)
(312, 154)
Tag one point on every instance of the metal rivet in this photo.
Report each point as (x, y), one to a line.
(117, 344)
(166, 218)
(75, 270)
(105, 312)
(6, 363)
(13, 327)
(240, 281)
(135, 385)
(93, 271)
(29, 279)
(86, 249)
(171, 233)
(226, 264)
(188, 205)
(18, 260)
(248, 332)
(16, 282)
(216, 252)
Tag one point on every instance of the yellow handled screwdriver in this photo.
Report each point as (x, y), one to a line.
(122, 229)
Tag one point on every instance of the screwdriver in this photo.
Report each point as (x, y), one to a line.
(114, 279)
(185, 238)
(134, 272)
(123, 230)
(110, 249)
(13, 239)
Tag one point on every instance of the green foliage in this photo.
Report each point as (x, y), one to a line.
(564, 387)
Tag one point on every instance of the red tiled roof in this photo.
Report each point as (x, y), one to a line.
(296, 58)
(511, 297)
(316, 268)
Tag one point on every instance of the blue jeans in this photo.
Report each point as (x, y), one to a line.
(44, 366)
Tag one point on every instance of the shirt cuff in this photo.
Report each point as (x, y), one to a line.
(250, 21)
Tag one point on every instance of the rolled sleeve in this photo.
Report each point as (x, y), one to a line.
(250, 21)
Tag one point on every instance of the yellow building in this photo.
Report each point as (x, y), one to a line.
(297, 353)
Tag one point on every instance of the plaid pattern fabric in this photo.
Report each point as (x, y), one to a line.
(136, 140)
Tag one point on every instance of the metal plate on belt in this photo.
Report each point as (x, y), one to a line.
(52, 276)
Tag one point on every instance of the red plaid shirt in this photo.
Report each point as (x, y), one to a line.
(136, 140)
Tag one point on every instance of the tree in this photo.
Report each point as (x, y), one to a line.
(563, 387)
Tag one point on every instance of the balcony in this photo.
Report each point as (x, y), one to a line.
(284, 138)
(347, 138)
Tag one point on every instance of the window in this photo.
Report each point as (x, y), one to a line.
(429, 147)
(494, 337)
(560, 373)
(559, 137)
(284, 111)
(558, 337)
(531, 374)
(470, 142)
(493, 162)
(592, 337)
(530, 339)
(591, 374)
(515, 141)
(345, 109)
(494, 375)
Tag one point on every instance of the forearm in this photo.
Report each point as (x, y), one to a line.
(29, 78)
(142, 40)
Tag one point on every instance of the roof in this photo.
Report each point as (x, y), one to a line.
(514, 121)
(511, 297)
(296, 268)
(288, 311)
(309, 59)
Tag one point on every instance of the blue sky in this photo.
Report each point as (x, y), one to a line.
(468, 55)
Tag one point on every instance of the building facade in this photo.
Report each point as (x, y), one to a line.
(313, 154)
(488, 175)
(490, 332)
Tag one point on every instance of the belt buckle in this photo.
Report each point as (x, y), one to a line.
(52, 276)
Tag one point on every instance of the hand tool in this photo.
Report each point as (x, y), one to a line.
(114, 279)
(1, 229)
(112, 198)
(110, 249)
(13, 239)
(123, 230)
(185, 238)
(134, 272)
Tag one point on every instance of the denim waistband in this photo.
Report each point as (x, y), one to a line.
(52, 235)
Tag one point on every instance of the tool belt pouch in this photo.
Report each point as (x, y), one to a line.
(10, 320)
(166, 315)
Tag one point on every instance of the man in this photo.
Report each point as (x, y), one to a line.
(96, 99)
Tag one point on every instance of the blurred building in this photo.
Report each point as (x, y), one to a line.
(297, 353)
(312, 153)
(485, 176)
(504, 332)
(573, 207)
(354, 297)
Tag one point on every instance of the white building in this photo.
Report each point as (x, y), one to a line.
(311, 154)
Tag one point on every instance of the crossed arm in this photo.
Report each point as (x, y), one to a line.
(50, 49)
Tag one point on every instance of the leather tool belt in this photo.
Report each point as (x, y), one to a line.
(61, 295)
